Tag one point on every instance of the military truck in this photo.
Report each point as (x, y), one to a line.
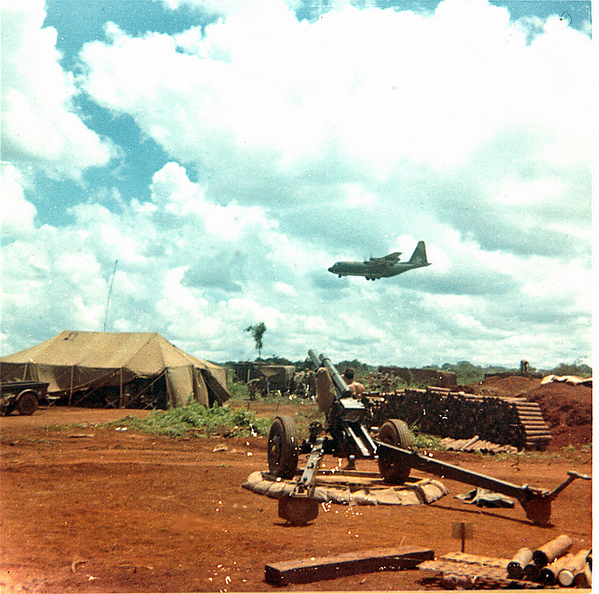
(25, 397)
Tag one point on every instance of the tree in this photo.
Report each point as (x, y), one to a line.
(257, 331)
(578, 369)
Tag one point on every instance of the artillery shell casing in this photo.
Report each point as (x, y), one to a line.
(573, 567)
(547, 576)
(581, 580)
(531, 572)
(549, 573)
(522, 557)
(552, 550)
(565, 578)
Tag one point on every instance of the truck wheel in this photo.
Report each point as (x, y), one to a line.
(27, 403)
(6, 410)
(283, 448)
(395, 433)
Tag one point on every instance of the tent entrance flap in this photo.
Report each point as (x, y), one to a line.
(216, 393)
(186, 384)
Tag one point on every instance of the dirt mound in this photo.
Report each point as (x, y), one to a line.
(513, 385)
(567, 409)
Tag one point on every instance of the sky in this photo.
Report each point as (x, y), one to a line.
(194, 167)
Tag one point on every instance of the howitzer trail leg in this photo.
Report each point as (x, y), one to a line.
(536, 502)
(299, 508)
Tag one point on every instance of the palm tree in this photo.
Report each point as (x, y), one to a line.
(257, 331)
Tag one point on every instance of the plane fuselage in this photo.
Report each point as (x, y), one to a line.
(382, 267)
(370, 271)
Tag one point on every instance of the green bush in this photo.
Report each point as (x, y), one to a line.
(177, 422)
(420, 441)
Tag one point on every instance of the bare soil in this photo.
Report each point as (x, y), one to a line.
(97, 509)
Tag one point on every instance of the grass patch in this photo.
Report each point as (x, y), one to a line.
(196, 418)
(420, 441)
(273, 400)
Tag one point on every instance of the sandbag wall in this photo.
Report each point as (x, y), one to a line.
(438, 411)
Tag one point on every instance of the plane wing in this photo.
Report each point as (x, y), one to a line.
(390, 259)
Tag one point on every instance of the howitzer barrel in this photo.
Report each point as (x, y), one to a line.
(338, 381)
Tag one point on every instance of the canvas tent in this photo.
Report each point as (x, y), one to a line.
(279, 376)
(128, 366)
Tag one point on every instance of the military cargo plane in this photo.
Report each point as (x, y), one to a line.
(385, 266)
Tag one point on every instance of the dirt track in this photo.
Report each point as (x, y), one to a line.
(89, 509)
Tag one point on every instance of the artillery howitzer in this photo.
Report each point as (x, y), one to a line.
(346, 435)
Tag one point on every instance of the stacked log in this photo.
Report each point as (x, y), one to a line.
(476, 445)
(457, 415)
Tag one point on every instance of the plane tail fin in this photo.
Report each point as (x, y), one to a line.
(419, 256)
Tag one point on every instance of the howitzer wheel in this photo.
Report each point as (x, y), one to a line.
(283, 448)
(395, 433)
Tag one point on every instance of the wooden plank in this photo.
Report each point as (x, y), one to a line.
(303, 571)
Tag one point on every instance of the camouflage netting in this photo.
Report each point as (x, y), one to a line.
(366, 492)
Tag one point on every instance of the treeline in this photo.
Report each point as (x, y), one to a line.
(467, 373)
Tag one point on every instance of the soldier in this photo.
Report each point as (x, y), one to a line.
(356, 387)
(258, 386)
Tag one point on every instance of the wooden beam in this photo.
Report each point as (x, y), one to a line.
(303, 571)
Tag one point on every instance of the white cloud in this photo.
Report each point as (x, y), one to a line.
(269, 105)
(40, 122)
(201, 289)
(18, 214)
(285, 289)
(292, 144)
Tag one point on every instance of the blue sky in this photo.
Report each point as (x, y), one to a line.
(224, 154)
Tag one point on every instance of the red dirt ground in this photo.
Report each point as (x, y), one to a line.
(92, 509)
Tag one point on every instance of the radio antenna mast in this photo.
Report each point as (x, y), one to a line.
(109, 293)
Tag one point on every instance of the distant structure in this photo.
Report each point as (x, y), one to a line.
(412, 376)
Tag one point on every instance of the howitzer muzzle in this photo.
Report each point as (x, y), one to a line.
(339, 383)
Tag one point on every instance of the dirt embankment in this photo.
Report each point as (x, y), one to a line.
(567, 409)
